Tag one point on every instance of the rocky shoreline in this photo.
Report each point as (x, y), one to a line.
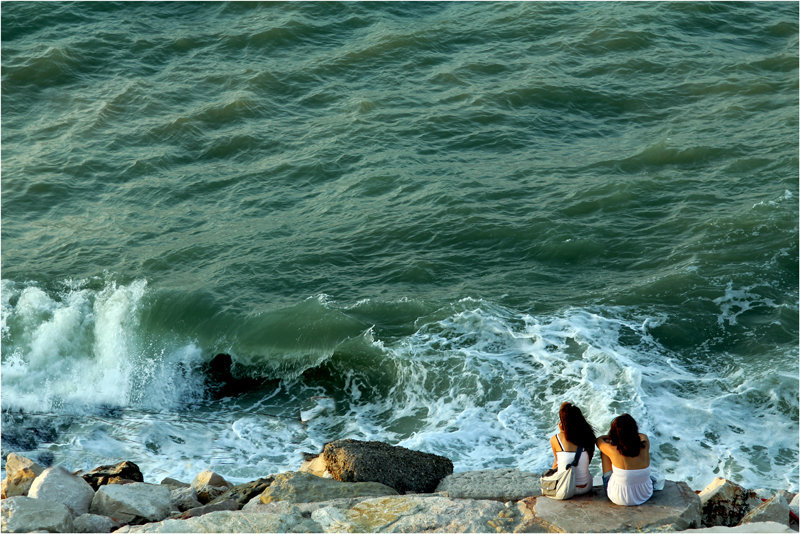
(358, 486)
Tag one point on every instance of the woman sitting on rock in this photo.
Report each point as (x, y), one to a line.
(625, 454)
(574, 431)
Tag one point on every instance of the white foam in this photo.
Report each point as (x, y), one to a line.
(482, 386)
(80, 348)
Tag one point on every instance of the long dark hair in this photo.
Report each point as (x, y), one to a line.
(624, 435)
(576, 428)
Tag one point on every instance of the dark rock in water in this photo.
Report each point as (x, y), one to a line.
(22, 432)
(403, 469)
(243, 493)
(121, 473)
(222, 383)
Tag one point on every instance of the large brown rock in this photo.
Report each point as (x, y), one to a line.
(725, 503)
(373, 461)
(676, 507)
(20, 473)
(121, 473)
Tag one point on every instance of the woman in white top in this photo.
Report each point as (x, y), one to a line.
(625, 454)
(574, 431)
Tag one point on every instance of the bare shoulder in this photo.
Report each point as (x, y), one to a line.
(603, 444)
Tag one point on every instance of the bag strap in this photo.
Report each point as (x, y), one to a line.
(559, 443)
(577, 457)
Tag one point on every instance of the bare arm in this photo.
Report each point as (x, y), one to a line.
(604, 445)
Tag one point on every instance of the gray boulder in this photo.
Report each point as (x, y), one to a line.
(725, 503)
(774, 510)
(20, 474)
(26, 514)
(494, 484)
(133, 503)
(676, 507)
(183, 499)
(94, 523)
(296, 487)
(373, 461)
(58, 485)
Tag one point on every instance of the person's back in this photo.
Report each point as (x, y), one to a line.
(573, 425)
(625, 454)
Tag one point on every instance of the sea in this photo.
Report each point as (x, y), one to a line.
(422, 223)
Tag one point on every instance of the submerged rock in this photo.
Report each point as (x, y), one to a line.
(403, 469)
(58, 485)
(26, 514)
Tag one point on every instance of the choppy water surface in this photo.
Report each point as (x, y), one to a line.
(422, 223)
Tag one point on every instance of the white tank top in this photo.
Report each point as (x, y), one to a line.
(582, 475)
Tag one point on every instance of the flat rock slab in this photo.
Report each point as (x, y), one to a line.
(304, 487)
(494, 484)
(419, 513)
(676, 507)
(285, 518)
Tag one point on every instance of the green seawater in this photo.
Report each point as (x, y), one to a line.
(428, 223)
